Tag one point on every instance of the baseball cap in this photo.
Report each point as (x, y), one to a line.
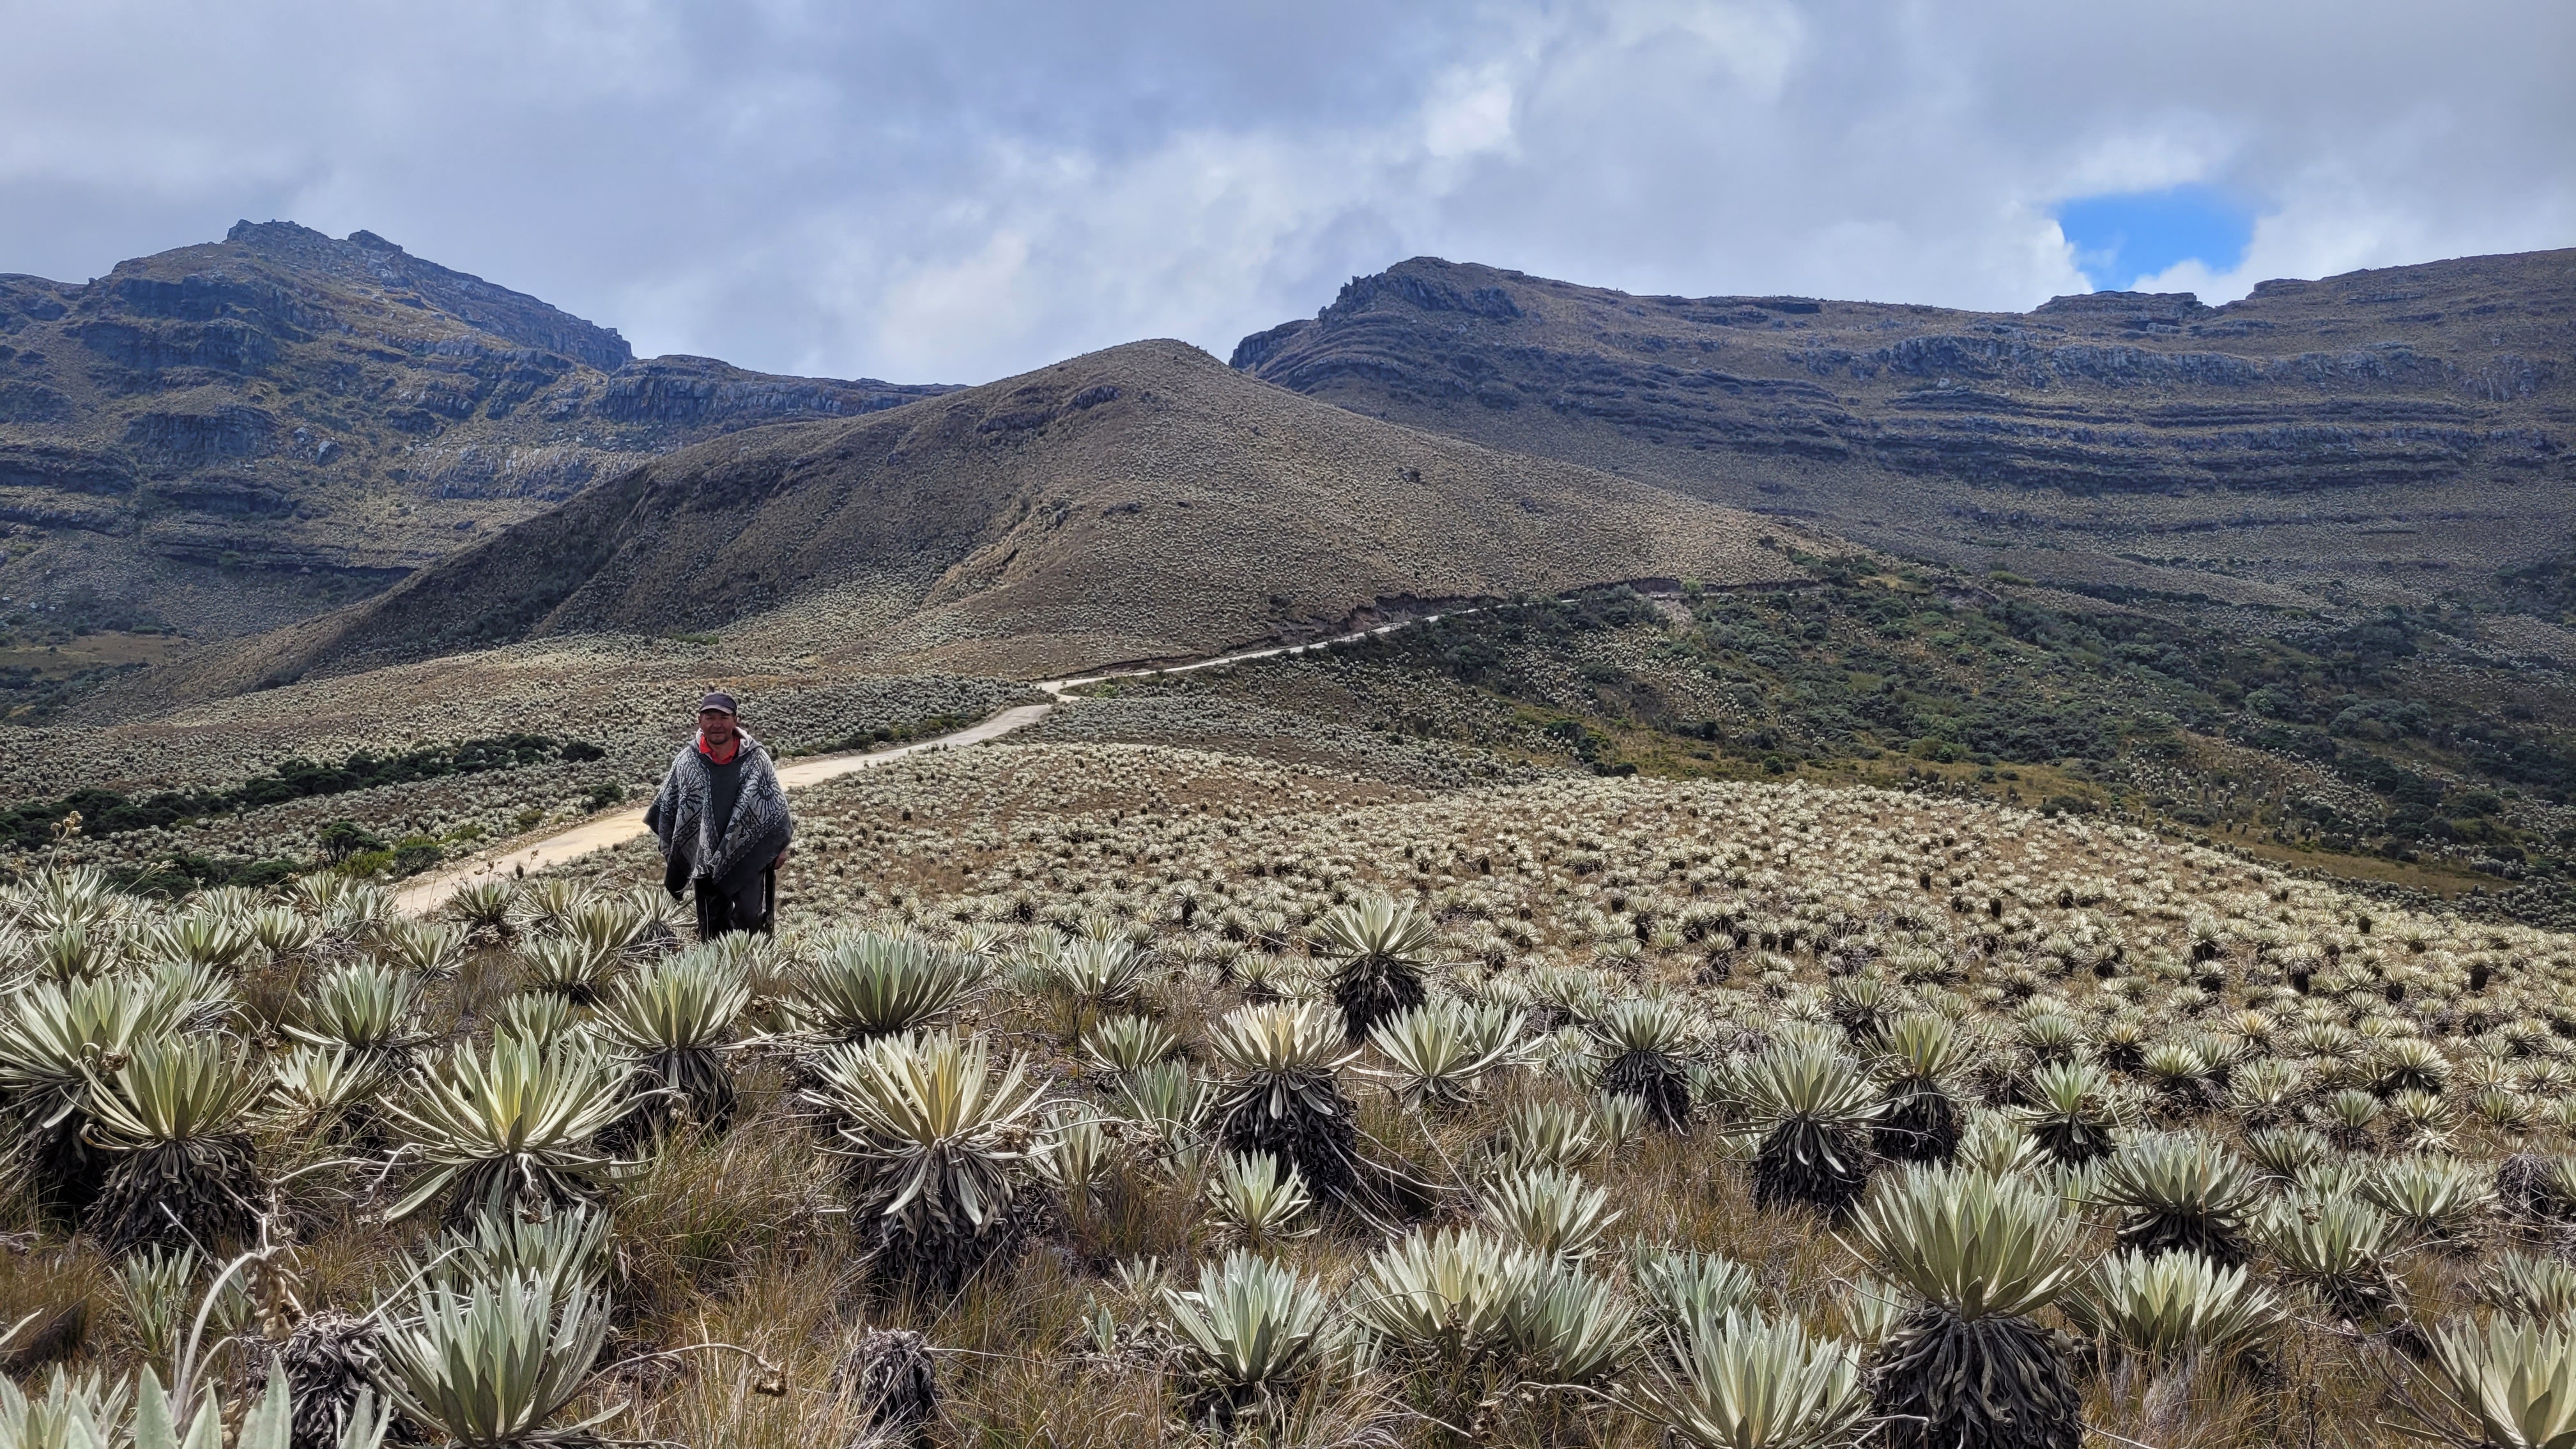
(717, 699)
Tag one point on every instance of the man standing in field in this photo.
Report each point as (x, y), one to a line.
(722, 821)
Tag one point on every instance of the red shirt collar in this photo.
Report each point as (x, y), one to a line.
(731, 750)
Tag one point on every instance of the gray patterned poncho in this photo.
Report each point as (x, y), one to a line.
(759, 829)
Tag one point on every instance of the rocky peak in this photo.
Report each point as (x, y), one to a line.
(368, 261)
(1428, 283)
(2136, 311)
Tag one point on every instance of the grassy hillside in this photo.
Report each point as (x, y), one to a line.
(2400, 749)
(1670, 1120)
(1140, 503)
(2408, 752)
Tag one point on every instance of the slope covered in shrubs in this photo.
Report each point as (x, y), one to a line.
(1114, 1094)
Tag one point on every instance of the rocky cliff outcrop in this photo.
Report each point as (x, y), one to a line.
(2400, 423)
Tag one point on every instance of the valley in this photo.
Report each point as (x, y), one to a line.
(1454, 881)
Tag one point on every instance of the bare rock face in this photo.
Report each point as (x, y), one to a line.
(2396, 423)
(234, 436)
(185, 440)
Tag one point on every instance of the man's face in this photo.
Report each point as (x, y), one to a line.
(716, 725)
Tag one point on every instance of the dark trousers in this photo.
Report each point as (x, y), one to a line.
(755, 908)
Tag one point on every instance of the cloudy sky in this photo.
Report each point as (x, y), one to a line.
(957, 191)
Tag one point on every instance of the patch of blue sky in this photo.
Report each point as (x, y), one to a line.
(2121, 239)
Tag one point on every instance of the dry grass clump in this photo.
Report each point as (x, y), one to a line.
(1125, 1094)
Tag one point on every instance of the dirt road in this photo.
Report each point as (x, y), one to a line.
(426, 893)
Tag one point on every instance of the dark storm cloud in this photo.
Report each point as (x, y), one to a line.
(958, 191)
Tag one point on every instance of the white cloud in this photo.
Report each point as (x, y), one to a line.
(2177, 152)
(962, 190)
(2328, 224)
(1758, 44)
(943, 314)
(1468, 113)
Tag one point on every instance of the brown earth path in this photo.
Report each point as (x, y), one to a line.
(427, 892)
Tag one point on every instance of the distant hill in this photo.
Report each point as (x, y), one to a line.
(1138, 503)
(233, 436)
(2380, 436)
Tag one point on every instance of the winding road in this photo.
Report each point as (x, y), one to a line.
(427, 892)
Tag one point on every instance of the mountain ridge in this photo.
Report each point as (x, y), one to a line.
(241, 433)
(2107, 441)
(1142, 502)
